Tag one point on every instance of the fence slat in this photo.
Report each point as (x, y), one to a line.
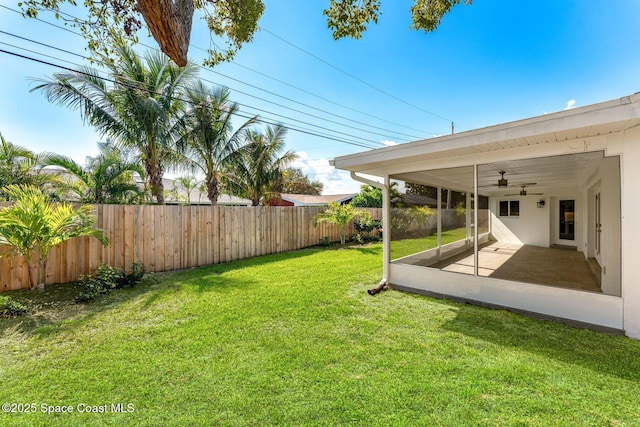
(166, 238)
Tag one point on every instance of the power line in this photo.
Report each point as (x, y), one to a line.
(289, 99)
(315, 95)
(346, 73)
(297, 129)
(242, 92)
(266, 111)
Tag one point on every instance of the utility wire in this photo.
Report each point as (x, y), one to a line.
(346, 73)
(250, 95)
(289, 99)
(248, 106)
(301, 130)
(315, 95)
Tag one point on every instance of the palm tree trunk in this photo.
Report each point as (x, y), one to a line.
(212, 190)
(42, 270)
(154, 172)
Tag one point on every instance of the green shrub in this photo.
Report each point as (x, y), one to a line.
(10, 307)
(132, 278)
(367, 230)
(107, 278)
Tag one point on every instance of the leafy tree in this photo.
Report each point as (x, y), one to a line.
(34, 224)
(349, 18)
(234, 21)
(420, 189)
(341, 216)
(210, 141)
(368, 197)
(371, 197)
(296, 182)
(259, 165)
(106, 179)
(143, 110)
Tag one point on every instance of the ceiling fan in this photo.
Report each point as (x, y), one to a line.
(523, 192)
(503, 183)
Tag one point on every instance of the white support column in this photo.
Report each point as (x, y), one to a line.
(468, 217)
(386, 228)
(475, 220)
(439, 221)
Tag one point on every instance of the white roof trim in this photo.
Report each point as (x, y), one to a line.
(592, 120)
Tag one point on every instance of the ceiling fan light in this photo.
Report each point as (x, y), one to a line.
(502, 182)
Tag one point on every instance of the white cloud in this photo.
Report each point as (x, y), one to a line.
(389, 143)
(335, 181)
(570, 104)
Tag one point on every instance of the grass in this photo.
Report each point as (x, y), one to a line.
(294, 339)
(404, 247)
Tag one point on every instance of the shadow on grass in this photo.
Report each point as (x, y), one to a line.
(612, 355)
(50, 309)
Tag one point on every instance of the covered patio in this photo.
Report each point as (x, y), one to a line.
(555, 266)
(529, 214)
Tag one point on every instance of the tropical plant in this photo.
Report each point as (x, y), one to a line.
(18, 165)
(188, 184)
(142, 110)
(210, 141)
(34, 224)
(341, 216)
(107, 178)
(259, 165)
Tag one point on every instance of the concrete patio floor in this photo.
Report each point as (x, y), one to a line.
(561, 267)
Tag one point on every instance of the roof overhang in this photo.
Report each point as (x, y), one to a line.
(579, 123)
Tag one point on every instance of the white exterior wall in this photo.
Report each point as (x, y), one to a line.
(628, 145)
(530, 228)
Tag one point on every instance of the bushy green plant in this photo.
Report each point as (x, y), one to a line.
(10, 307)
(341, 216)
(325, 241)
(367, 229)
(107, 278)
(132, 278)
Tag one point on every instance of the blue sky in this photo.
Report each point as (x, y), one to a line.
(488, 63)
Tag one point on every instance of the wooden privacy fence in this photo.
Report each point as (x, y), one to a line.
(166, 238)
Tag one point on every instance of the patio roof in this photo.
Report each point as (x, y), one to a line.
(576, 124)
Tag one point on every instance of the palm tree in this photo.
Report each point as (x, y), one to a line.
(210, 141)
(142, 110)
(259, 165)
(18, 166)
(189, 184)
(34, 224)
(107, 178)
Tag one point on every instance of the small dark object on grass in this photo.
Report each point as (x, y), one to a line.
(382, 286)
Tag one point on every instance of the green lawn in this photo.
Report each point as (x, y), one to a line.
(294, 339)
(404, 247)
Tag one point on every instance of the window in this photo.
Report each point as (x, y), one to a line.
(509, 208)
